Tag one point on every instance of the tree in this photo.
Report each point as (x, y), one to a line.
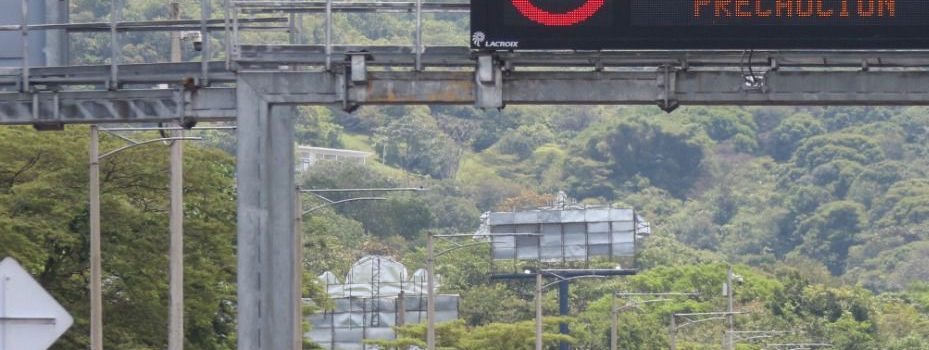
(512, 336)
(414, 142)
(670, 157)
(494, 303)
(848, 333)
(831, 231)
(822, 149)
(494, 336)
(793, 130)
(724, 124)
(44, 223)
(525, 139)
(906, 202)
(315, 126)
(875, 179)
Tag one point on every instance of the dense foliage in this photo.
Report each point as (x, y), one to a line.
(824, 211)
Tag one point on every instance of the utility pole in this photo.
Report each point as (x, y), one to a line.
(731, 316)
(538, 310)
(96, 292)
(298, 270)
(176, 220)
(175, 11)
(430, 295)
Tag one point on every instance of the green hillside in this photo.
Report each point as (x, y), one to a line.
(823, 211)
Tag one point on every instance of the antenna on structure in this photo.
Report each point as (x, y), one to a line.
(561, 200)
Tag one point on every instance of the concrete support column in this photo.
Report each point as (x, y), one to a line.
(176, 219)
(266, 206)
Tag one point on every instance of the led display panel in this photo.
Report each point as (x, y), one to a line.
(699, 24)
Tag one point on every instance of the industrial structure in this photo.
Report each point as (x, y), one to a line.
(377, 294)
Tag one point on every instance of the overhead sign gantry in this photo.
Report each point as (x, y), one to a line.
(699, 24)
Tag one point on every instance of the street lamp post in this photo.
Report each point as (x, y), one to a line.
(538, 297)
(96, 284)
(176, 246)
(730, 293)
(538, 310)
(96, 295)
(430, 294)
(176, 219)
(729, 299)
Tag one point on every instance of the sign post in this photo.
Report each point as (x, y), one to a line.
(30, 319)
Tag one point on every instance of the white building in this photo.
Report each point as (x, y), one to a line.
(307, 156)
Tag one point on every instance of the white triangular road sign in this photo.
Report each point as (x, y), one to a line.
(30, 319)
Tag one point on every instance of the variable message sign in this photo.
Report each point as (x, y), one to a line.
(699, 24)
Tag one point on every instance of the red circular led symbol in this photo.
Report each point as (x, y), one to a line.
(570, 18)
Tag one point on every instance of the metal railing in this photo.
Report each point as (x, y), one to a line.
(239, 16)
(116, 27)
(329, 7)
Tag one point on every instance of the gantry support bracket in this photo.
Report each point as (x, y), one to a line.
(667, 85)
(356, 80)
(488, 85)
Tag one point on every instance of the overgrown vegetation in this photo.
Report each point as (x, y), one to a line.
(825, 211)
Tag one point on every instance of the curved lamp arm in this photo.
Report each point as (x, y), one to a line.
(318, 207)
(131, 145)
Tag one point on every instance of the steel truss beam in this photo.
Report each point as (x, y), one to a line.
(124, 106)
(667, 87)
